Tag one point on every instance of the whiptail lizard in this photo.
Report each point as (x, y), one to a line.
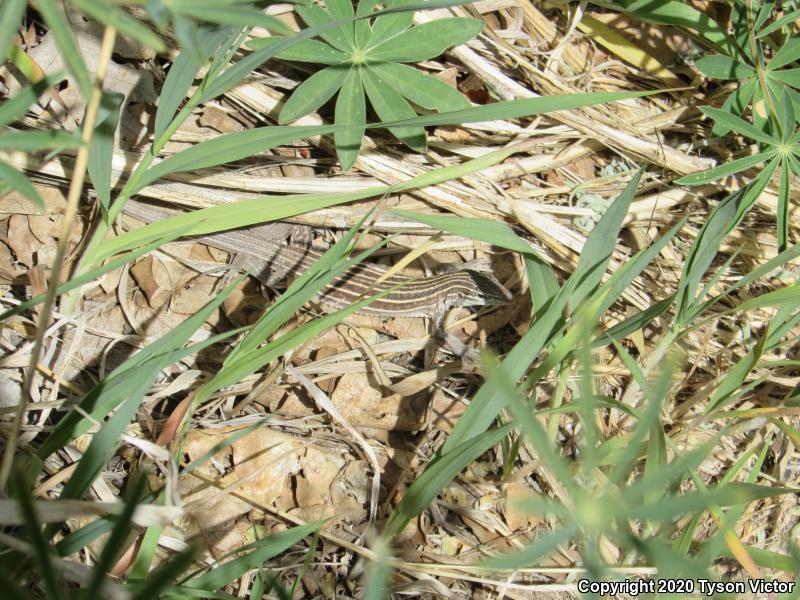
(273, 262)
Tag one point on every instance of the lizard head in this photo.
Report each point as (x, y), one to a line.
(475, 288)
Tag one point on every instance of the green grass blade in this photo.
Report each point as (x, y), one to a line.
(439, 472)
(57, 22)
(158, 581)
(16, 180)
(484, 230)
(11, 12)
(42, 554)
(13, 108)
(101, 151)
(253, 556)
(122, 22)
(33, 141)
(182, 73)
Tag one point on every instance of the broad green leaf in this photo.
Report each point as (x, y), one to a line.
(491, 232)
(717, 66)
(783, 207)
(682, 15)
(351, 113)
(312, 51)
(423, 90)
(390, 25)
(739, 125)
(11, 12)
(123, 22)
(737, 102)
(313, 93)
(343, 9)
(391, 106)
(57, 23)
(788, 76)
(16, 180)
(35, 140)
(439, 472)
(788, 53)
(786, 19)
(425, 41)
(726, 169)
(13, 108)
(101, 151)
(251, 556)
(314, 16)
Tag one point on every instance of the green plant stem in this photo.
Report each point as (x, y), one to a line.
(70, 212)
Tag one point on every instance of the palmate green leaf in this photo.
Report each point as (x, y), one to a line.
(439, 472)
(788, 76)
(350, 113)
(57, 22)
(424, 90)
(679, 14)
(391, 106)
(754, 189)
(114, 17)
(424, 41)
(313, 93)
(101, 151)
(783, 207)
(737, 102)
(788, 53)
(311, 51)
(726, 169)
(739, 125)
(11, 12)
(16, 180)
(491, 232)
(36, 140)
(343, 9)
(786, 19)
(252, 556)
(314, 16)
(718, 66)
(389, 25)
